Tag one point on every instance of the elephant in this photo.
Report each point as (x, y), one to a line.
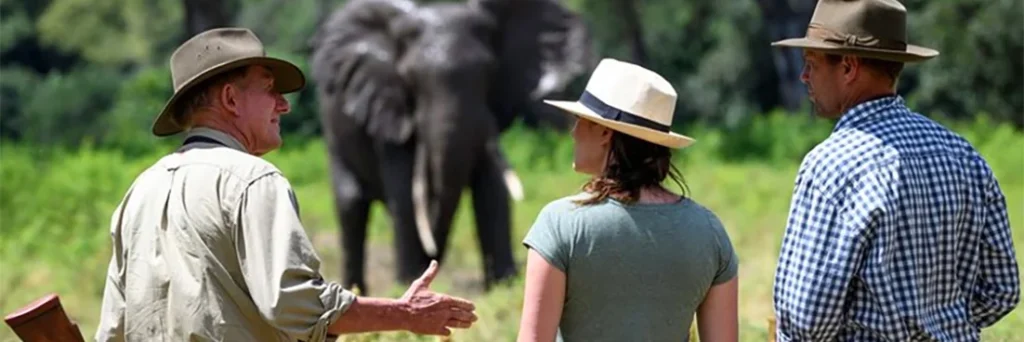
(413, 99)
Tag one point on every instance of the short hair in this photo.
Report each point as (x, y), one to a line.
(198, 97)
(891, 69)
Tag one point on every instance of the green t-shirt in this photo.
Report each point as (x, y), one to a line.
(634, 272)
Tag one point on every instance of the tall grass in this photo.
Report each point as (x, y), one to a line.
(55, 209)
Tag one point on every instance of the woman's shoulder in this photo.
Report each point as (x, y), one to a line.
(571, 205)
(565, 203)
(569, 211)
(698, 209)
(711, 222)
(701, 209)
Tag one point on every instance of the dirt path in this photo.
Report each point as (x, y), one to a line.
(459, 276)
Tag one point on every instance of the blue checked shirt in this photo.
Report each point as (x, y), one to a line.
(897, 231)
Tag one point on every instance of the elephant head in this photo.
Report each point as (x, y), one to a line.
(447, 79)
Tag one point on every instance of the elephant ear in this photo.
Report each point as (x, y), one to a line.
(354, 61)
(541, 47)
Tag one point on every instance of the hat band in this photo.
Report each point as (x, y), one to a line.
(819, 32)
(611, 113)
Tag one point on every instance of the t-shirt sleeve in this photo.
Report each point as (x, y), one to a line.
(546, 237)
(727, 260)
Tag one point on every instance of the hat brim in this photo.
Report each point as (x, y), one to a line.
(288, 78)
(670, 139)
(913, 53)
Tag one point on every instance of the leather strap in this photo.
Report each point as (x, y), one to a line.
(817, 31)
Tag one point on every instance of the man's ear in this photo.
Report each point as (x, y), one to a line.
(228, 98)
(850, 66)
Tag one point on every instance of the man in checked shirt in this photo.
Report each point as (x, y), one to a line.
(897, 229)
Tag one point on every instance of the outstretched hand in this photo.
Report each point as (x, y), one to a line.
(435, 313)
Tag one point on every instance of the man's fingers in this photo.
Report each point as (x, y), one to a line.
(429, 274)
(454, 323)
(465, 316)
(460, 303)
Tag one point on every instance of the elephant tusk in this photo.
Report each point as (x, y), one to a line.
(514, 186)
(419, 199)
(422, 221)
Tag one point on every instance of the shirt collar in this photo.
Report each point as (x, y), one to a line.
(220, 136)
(867, 109)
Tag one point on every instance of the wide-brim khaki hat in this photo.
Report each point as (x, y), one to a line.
(867, 28)
(630, 99)
(213, 52)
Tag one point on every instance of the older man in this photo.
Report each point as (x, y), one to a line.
(207, 242)
(898, 228)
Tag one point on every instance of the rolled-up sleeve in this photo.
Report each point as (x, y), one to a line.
(281, 269)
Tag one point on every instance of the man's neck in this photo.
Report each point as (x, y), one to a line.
(866, 94)
(212, 122)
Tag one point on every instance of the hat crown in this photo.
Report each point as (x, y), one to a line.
(211, 48)
(882, 21)
(633, 89)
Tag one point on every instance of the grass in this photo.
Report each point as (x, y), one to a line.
(53, 227)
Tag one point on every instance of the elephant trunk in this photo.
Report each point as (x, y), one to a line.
(420, 202)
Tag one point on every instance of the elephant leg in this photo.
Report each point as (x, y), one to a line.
(353, 208)
(396, 179)
(493, 220)
(355, 215)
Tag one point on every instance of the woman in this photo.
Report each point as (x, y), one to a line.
(627, 259)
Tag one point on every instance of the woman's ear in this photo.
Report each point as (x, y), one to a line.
(606, 135)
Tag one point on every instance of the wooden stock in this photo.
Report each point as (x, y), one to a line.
(44, 320)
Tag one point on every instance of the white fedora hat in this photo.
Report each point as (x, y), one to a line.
(630, 99)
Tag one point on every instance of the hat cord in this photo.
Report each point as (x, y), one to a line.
(820, 32)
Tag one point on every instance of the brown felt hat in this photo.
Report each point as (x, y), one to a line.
(213, 52)
(866, 28)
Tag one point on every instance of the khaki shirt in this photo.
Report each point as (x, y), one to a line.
(208, 245)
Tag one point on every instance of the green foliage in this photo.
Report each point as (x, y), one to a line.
(717, 57)
(777, 137)
(56, 204)
(287, 25)
(55, 207)
(136, 107)
(63, 109)
(707, 50)
(981, 46)
(16, 88)
(110, 31)
(91, 123)
(15, 24)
